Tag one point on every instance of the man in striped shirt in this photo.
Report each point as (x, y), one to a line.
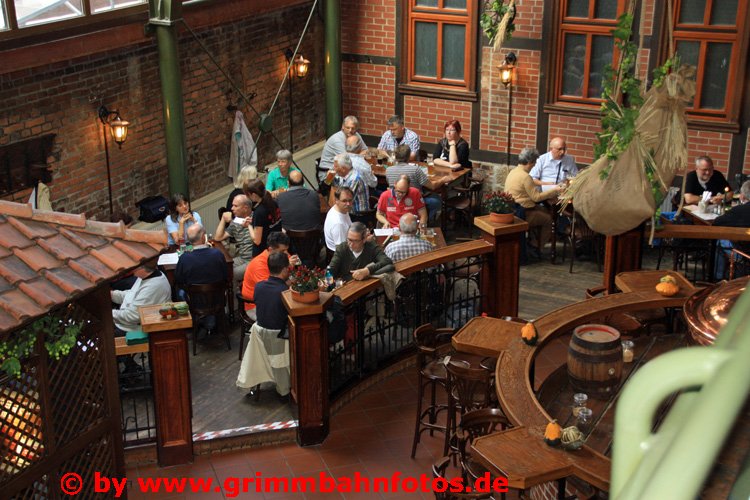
(347, 176)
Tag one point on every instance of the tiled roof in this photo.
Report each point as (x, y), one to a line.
(48, 258)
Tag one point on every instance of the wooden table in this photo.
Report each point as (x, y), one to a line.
(646, 281)
(434, 172)
(707, 219)
(438, 243)
(170, 365)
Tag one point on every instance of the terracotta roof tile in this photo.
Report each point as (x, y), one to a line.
(48, 258)
(19, 305)
(37, 258)
(83, 240)
(68, 280)
(92, 268)
(14, 270)
(113, 258)
(43, 293)
(61, 247)
(10, 237)
(32, 229)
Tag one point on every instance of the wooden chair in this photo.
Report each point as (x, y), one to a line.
(739, 264)
(578, 231)
(468, 389)
(246, 322)
(208, 300)
(306, 244)
(432, 345)
(439, 469)
(467, 200)
(473, 425)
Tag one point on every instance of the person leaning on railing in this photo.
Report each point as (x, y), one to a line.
(359, 258)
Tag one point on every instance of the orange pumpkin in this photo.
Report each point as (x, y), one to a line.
(667, 289)
(553, 433)
(529, 333)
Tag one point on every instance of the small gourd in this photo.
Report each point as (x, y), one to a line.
(667, 278)
(529, 333)
(667, 289)
(553, 434)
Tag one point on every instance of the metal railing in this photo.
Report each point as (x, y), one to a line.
(379, 330)
(137, 401)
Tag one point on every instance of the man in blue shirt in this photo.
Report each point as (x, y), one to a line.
(555, 166)
(270, 308)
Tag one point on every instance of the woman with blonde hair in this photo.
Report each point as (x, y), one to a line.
(247, 173)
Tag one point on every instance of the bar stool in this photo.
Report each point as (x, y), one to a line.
(432, 345)
(468, 389)
(474, 424)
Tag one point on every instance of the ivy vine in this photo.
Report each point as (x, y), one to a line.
(59, 338)
(492, 14)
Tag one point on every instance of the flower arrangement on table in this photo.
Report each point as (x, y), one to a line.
(305, 282)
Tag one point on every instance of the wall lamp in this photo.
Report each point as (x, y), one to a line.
(117, 126)
(508, 68)
(119, 129)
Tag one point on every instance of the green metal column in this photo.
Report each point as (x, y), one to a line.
(333, 66)
(164, 14)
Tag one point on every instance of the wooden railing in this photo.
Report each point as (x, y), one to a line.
(499, 250)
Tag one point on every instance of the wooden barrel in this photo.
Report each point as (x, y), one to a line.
(595, 360)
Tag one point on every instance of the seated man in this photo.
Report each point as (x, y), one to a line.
(521, 186)
(278, 178)
(266, 357)
(554, 166)
(408, 244)
(230, 225)
(738, 216)
(336, 144)
(705, 178)
(338, 220)
(300, 207)
(358, 258)
(257, 270)
(150, 288)
(359, 163)
(398, 200)
(347, 176)
(397, 135)
(417, 179)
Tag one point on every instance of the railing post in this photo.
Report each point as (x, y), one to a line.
(501, 275)
(622, 252)
(170, 368)
(308, 347)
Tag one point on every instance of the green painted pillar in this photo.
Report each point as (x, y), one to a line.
(333, 66)
(163, 17)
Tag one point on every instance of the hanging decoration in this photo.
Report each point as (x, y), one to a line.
(497, 21)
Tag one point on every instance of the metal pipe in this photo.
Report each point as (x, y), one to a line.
(333, 66)
(109, 175)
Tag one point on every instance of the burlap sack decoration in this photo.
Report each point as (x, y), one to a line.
(625, 199)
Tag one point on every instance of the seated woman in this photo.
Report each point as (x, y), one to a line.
(266, 215)
(452, 150)
(247, 173)
(180, 218)
(521, 186)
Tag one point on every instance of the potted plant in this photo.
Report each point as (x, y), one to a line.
(305, 283)
(500, 206)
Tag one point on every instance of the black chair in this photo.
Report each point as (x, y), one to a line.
(247, 322)
(439, 469)
(204, 301)
(578, 232)
(466, 203)
(739, 264)
(468, 389)
(473, 425)
(306, 244)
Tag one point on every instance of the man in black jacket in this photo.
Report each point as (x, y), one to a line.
(357, 258)
(300, 207)
(738, 216)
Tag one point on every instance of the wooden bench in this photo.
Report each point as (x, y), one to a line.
(123, 349)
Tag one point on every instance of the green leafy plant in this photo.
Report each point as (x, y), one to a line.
(59, 338)
(305, 279)
(492, 15)
(498, 202)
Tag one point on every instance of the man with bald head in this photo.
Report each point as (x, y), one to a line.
(554, 166)
(399, 200)
(202, 266)
(359, 163)
(409, 243)
(300, 207)
(237, 225)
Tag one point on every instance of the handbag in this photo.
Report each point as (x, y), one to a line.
(153, 208)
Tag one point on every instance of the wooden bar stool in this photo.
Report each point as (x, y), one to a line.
(432, 346)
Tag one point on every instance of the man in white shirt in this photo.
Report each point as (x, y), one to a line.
(555, 166)
(336, 144)
(337, 220)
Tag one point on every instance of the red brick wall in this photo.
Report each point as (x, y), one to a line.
(528, 19)
(427, 116)
(55, 98)
(372, 30)
(368, 94)
(494, 115)
(579, 134)
(714, 144)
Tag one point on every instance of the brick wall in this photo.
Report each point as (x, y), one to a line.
(427, 116)
(56, 98)
(372, 30)
(714, 144)
(368, 94)
(579, 133)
